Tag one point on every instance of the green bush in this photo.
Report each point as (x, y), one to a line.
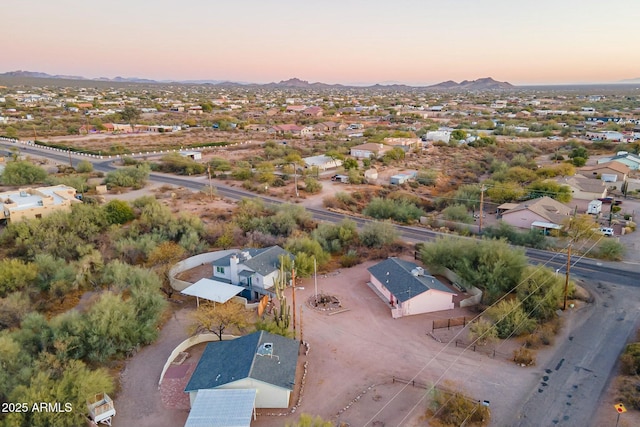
(610, 249)
(398, 210)
(630, 359)
(129, 176)
(22, 172)
(457, 213)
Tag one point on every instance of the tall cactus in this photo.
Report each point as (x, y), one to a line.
(282, 316)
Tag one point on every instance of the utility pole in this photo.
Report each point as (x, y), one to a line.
(566, 281)
(210, 184)
(293, 295)
(482, 190)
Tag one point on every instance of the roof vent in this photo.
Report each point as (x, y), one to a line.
(418, 271)
(266, 349)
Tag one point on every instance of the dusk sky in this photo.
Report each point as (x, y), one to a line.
(348, 41)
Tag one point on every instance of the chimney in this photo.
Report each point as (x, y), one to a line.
(233, 269)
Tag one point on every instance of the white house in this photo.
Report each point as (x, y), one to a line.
(442, 135)
(543, 212)
(322, 162)
(408, 289)
(369, 150)
(259, 361)
(254, 269)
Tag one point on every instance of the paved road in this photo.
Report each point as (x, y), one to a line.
(568, 389)
(624, 274)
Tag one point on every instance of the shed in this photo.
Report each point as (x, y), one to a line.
(192, 154)
(402, 178)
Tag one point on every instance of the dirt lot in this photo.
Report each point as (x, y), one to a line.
(353, 359)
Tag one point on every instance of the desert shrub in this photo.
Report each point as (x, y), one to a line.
(349, 259)
(398, 210)
(630, 359)
(457, 213)
(378, 234)
(129, 176)
(482, 332)
(524, 356)
(118, 212)
(22, 172)
(629, 392)
(312, 185)
(510, 319)
(84, 166)
(610, 249)
(455, 409)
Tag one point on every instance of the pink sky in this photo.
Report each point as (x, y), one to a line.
(353, 41)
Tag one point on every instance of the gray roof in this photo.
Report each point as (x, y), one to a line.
(263, 261)
(396, 275)
(225, 362)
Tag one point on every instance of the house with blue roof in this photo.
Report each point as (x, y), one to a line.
(409, 289)
(259, 361)
(254, 269)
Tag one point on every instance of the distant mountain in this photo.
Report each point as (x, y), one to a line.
(294, 83)
(486, 83)
(636, 80)
(35, 74)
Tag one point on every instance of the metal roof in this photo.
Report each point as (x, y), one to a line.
(222, 408)
(213, 290)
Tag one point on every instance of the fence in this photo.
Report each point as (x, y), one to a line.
(481, 349)
(450, 322)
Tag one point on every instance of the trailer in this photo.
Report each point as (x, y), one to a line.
(595, 207)
(101, 409)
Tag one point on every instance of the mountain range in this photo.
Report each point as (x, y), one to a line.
(486, 83)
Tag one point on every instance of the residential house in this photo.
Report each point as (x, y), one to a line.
(585, 188)
(29, 203)
(369, 150)
(322, 162)
(408, 289)
(313, 112)
(605, 135)
(600, 171)
(281, 130)
(195, 109)
(326, 127)
(254, 269)
(405, 143)
(442, 135)
(629, 159)
(295, 108)
(543, 212)
(260, 361)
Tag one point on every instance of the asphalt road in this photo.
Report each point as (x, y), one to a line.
(566, 391)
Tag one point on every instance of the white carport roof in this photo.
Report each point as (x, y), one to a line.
(213, 290)
(542, 224)
(222, 408)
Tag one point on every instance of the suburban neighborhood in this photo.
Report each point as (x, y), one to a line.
(223, 255)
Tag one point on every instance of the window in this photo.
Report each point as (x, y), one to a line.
(220, 270)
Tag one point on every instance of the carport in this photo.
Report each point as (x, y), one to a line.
(222, 408)
(212, 290)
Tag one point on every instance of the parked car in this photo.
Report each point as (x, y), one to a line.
(609, 200)
(606, 231)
